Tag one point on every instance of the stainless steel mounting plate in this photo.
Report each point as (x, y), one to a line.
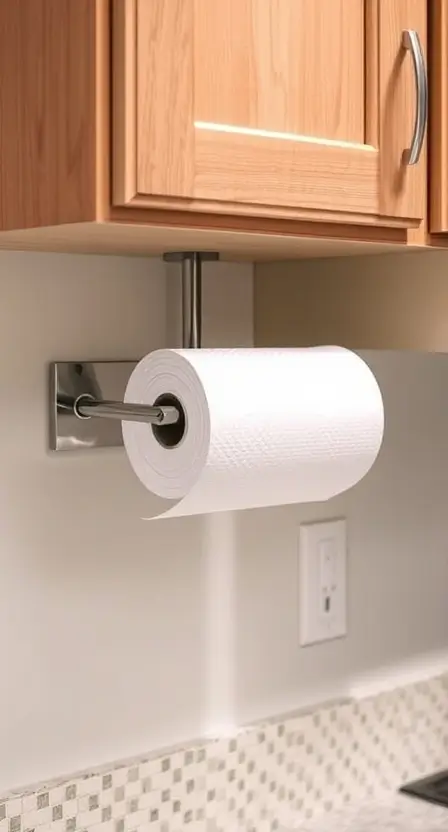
(100, 379)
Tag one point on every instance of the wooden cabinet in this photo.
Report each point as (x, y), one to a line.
(297, 108)
(257, 128)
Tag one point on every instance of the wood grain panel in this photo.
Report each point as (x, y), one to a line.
(243, 168)
(287, 65)
(438, 195)
(48, 98)
(372, 71)
(103, 113)
(403, 187)
(165, 133)
(260, 225)
(263, 211)
(124, 101)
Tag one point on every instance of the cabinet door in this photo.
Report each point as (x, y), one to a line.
(295, 108)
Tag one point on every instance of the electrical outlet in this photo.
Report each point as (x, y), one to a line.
(322, 581)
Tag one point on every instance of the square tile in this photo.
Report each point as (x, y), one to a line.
(70, 792)
(57, 812)
(14, 806)
(146, 785)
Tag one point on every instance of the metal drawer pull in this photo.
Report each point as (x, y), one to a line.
(412, 43)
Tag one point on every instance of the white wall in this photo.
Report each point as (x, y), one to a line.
(101, 614)
(118, 635)
(397, 567)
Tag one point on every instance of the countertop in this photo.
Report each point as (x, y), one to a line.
(395, 813)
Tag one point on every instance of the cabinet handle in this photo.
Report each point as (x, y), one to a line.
(412, 43)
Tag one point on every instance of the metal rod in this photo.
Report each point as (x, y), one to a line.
(191, 266)
(85, 407)
(191, 300)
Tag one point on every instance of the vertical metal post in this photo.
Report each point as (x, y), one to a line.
(191, 262)
(192, 301)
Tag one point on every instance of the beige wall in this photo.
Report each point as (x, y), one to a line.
(118, 635)
(393, 301)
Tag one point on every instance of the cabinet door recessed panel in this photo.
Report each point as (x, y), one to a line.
(275, 65)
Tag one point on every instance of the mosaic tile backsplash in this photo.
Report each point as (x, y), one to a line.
(267, 777)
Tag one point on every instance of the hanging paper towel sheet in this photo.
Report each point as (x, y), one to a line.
(263, 427)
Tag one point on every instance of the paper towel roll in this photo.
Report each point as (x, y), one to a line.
(262, 426)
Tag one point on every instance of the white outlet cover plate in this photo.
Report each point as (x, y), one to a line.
(322, 581)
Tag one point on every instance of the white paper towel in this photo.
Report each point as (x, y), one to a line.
(263, 426)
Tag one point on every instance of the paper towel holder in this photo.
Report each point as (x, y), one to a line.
(86, 397)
